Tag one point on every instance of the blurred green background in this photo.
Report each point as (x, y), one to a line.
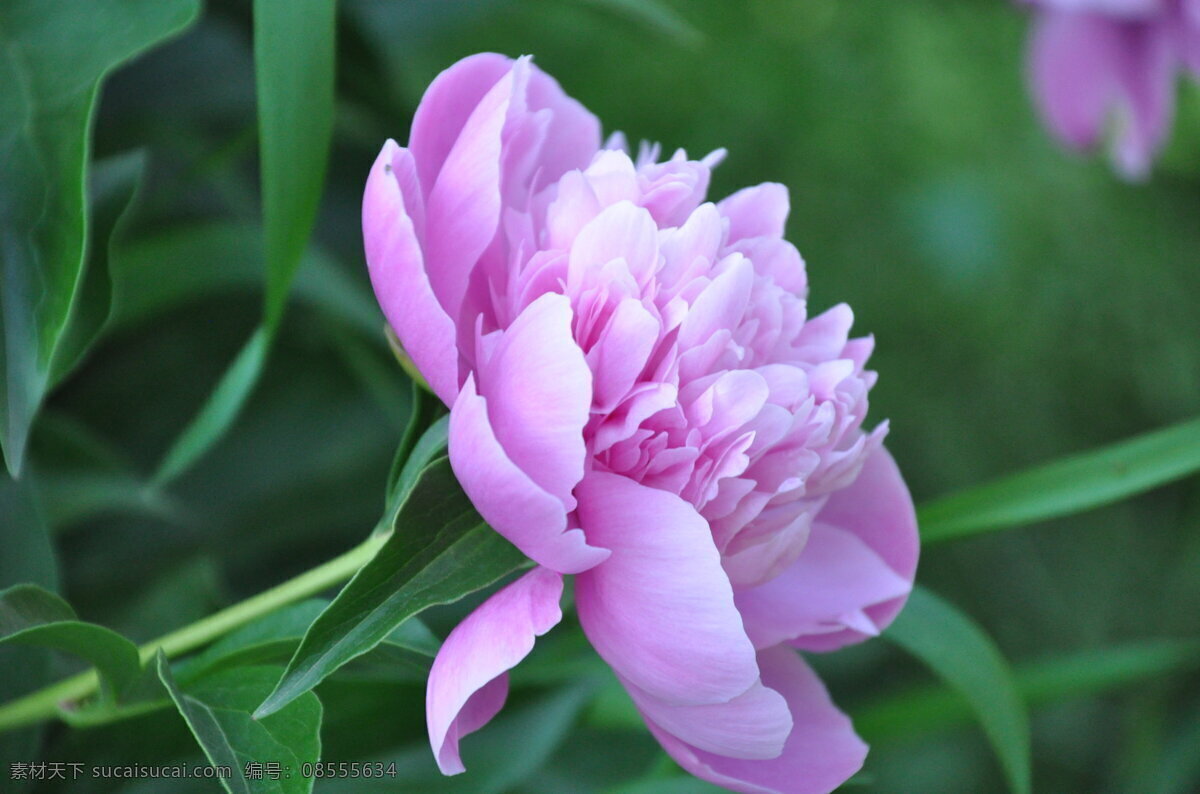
(1026, 304)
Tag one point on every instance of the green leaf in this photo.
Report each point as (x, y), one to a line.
(143, 695)
(1081, 674)
(513, 747)
(218, 412)
(80, 475)
(184, 263)
(294, 63)
(216, 710)
(440, 551)
(268, 640)
(113, 186)
(387, 386)
(32, 616)
(70, 498)
(54, 54)
(27, 556)
(424, 409)
(294, 60)
(1067, 486)
(413, 455)
(274, 639)
(959, 651)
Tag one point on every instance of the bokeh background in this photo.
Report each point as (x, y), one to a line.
(1026, 304)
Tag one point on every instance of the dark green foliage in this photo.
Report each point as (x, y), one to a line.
(1026, 305)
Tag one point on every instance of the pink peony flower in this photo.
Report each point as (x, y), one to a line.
(639, 397)
(1096, 60)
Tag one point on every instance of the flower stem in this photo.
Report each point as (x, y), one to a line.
(44, 703)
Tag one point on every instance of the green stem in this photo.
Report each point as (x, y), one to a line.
(43, 704)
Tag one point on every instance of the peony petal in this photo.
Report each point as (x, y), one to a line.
(397, 270)
(836, 577)
(720, 306)
(821, 753)
(463, 211)
(660, 609)
(621, 352)
(1127, 9)
(758, 211)
(622, 231)
(878, 510)
(574, 134)
(753, 725)
(446, 106)
(1072, 59)
(467, 684)
(513, 504)
(539, 393)
(699, 238)
(824, 336)
(1147, 78)
(777, 259)
(1086, 66)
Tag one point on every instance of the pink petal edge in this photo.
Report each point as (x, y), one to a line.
(468, 682)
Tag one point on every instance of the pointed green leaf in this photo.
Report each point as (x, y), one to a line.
(54, 54)
(1080, 674)
(440, 551)
(216, 710)
(1067, 486)
(294, 53)
(155, 274)
(141, 696)
(413, 455)
(293, 63)
(113, 186)
(218, 412)
(274, 639)
(32, 616)
(959, 651)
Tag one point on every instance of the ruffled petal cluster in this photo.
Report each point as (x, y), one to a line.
(640, 397)
(1101, 64)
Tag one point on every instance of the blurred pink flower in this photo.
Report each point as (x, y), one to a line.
(1096, 61)
(639, 397)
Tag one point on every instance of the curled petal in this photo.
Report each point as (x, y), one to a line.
(534, 520)
(392, 208)
(822, 751)
(878, 511)
(468, 682)
(827, 589)
(660, 609)
(754, 725)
